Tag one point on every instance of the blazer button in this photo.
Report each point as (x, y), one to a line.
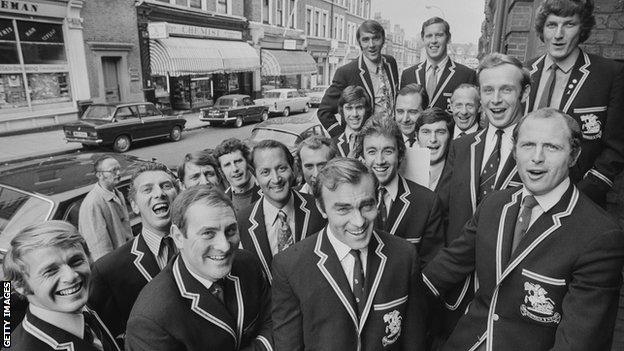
(495, 317)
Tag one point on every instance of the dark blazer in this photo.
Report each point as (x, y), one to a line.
(557, 291)
(353, 73)
(34, 334)
(314, 307)
(416, 216)
(452, 76)
(116, 280)
(594, 96)
(252, 229)
(343, 145)
(188, 317)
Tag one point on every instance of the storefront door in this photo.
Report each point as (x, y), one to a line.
(111, 78)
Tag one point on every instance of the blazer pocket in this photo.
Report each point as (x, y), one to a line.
(543, 278)
(391, 304)
(251, 324)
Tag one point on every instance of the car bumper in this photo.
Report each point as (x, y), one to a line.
(217, 119)
(84, 141)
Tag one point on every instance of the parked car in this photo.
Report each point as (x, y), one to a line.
(316, 94)
(234, 109)
(284, 101)
(289, 131)
(122, 124)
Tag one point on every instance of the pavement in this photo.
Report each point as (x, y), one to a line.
(52, 142)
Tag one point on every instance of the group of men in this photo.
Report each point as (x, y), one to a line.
(503, 246)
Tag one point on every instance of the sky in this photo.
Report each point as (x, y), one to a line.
(464, 16)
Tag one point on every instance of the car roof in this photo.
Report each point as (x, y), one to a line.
(281, 90)
(292, 124)
(234, 96)
(122, 104)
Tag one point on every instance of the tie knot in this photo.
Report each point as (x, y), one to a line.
(554, 67)
(382, 192)
(529, 201)
(282, 215)
(434, 67)
(499, 132)
(355, 253)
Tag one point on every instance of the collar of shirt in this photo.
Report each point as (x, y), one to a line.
(152, 240)
(393, 190)
(72, 323)
(270, 211)
(348, 131)
(106, 194)
(205, 282)
(306, 189)
(346, 260)
(566, 65)
(457, 131)
(440, 64)
(550, 199)
(506, 145)
(371, 66)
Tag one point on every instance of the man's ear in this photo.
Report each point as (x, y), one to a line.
(575, 158)
(177, 235)
(135, 207)
(525, 93)
(320, 208)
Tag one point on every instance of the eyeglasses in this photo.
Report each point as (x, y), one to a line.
(112, 170)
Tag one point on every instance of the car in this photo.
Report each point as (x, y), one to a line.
(122, 124)
(316, 94)
(284, 101)
(289, 131)
(235, 109)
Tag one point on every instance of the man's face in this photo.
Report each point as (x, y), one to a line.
(435, 40)
(155, 192)
(351, 210)
(312, 161)
(502, 95)
(371, 45)
(543, 153)
(234, 167)
(58, 278)
(274, 175)
(406, 112)
(434, 136)
(199, 175)
(561, 35)
(382, 156)
(354, 114)
(211, 240)
(465, 106)
(109, 173)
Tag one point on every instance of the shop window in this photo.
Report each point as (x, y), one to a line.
(8, 53)
(12, 91)
(48, 88)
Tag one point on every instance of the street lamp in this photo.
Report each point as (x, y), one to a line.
(429, 7)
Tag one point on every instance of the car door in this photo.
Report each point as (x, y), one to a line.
(154, 124)
(128, 122)
(251, 112)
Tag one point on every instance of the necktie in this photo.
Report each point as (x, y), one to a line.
(216, 289)
(461, 134)
(410, 141)
(549, 87)
(284, 234)
(351, 143)
(386, 101)
(358, 281)
(92, 332)
(382, 211)
(432, 82)
(524, 218)
(167, 248)
(487, 179)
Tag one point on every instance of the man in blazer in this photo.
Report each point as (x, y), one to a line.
(282, 215)
(548, 259)
(585, 86)
(212, 296)
(119, 276)
(375, 72)
(355, 109)
(405, 209)
(348, 287)
(438, 73)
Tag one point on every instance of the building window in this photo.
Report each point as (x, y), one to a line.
(325, 25)
(280, 13)
(317, 23)
(222, 6)
(366, 8)
(341, 28)
(308, 28)
(265, 11)
(291, 13)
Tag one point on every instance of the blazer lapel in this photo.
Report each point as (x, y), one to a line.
(536, 75)
(343, 145)
(391, 77)
(376, 263)
(302, 216)
(235, 303)
(420, 73)
(203, 303)
(144, 261)
(399, 207)
(476, 158)
(331, 269)
(258, 234)
(366, 79)
(506, 227)
(578, 76)
(508, 171)
(447, 75)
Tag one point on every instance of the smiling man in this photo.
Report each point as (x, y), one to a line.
(585, 86)
(48, 264)
(465, 104)
(438, 74)
(199, 168)
(551, 281)
(433, 132)
(282, 215)
(212, 296)
(119, 276)
(348, 286)
(375, 72)
(355, 109)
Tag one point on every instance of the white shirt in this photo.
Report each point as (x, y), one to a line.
(306, 189)
(271, 223)
(153, 241)
(72, 323)
(205, 282)
(346, 260)
(438, 72)
(392, 190)
(547, 201)
(506, 146)
(457, 131)
(563, 75)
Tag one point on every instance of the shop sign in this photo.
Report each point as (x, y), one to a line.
(134, 74)
(333, 59)
(33, 68)
(33, 8)
(290, 44)
(162, 30)
(319, 54)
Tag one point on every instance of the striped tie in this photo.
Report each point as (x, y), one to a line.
(487, 179)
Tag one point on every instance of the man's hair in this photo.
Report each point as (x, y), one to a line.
(380, 126)
(352, 94)
(497, 59)
(567, 8)
(200, 158)
(549, 112)
(230, 145)
(415, 89)
(206, 193)
(48, 234)
(272, 144)
(433, 115)
(97, 165)
(370, 26)
(469, 86)
(434, 20)
(340, 170)
(150, 167)
(316, 142)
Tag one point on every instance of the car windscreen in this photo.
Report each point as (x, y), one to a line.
(19, 209)
(289, 140)
(224, 102)
(99, 112)
(272, 95)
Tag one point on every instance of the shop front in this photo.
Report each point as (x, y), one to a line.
(286, 69)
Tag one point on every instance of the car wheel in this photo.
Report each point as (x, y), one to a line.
(286, 112)
(122, 143)
(306, 108)
(265, 116)
(239, 122)
(175, 134)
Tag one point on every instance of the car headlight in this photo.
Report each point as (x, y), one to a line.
(93, 134)
(226, 114)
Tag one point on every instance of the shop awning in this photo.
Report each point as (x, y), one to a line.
(284, 63)
(182, 56)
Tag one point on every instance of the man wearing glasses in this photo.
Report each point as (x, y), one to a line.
(103, 219)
